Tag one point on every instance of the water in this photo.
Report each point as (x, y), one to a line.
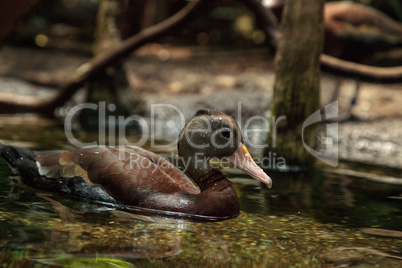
(315, 218)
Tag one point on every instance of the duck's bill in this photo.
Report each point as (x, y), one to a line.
(241, 158)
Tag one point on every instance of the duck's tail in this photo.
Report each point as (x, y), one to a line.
(23, 164)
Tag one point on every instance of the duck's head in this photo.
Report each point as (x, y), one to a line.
(212, 134)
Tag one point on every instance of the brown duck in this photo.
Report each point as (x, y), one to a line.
(137, 177)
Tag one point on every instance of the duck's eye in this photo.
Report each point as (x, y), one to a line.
(226, 133)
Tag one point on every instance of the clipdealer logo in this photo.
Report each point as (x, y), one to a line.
(113, 129)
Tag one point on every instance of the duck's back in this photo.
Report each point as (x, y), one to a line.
(128, 174)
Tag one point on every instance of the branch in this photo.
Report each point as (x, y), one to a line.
(361, 71)
(100, 62)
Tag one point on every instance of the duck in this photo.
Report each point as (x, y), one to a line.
(135, 177)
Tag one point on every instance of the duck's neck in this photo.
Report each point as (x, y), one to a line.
(200, 170)
(206, 179)
(217, 197)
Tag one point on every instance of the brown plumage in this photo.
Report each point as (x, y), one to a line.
(122, 171)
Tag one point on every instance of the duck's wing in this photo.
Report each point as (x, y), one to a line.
(185, 184)
(127, 174)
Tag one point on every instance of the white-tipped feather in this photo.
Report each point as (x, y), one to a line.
(48, 171)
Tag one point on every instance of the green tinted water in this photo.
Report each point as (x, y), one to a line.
(312, 219)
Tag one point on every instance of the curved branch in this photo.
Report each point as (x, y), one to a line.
(100, 62)
(361, 71)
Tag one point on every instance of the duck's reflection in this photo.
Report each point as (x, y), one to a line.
(112, 233)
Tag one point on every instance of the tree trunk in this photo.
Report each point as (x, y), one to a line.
(297, 74)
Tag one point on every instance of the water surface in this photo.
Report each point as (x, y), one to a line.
(315, 218)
